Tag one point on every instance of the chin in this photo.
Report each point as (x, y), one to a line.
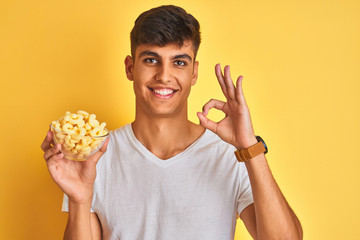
(165, 112)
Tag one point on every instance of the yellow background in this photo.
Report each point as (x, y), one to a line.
(300, 61)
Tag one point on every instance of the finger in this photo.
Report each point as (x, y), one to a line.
(52, 151)
(104, 147)
(239, 91)
(213, 103)
(220, 78)
(207, 123)
(46, 144)
(53, 160)
(57, 156)
(101, 152)
(230, 88)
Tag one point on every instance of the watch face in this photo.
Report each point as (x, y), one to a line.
(263, 142)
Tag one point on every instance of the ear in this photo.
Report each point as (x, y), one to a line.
(195, 73)
(129, 67)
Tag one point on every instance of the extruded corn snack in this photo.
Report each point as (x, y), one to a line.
(79, 134)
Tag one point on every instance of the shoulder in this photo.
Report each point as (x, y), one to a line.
(119, 135)
(119, 138)
(120, 132)
(211, 147)
(213, 140)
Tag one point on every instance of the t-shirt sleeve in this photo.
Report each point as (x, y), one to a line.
(245, 193)
(65, 204)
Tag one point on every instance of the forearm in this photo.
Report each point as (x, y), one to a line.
(274, 217)
(79, 221)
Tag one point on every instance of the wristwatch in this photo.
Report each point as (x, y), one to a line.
(245, 154)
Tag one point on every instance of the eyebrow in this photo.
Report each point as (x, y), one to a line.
(154, 54)
(148, 53)
(182, 56)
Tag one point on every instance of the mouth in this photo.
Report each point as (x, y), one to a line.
(163, 92)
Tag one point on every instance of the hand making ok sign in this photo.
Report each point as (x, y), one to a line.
(236, 127)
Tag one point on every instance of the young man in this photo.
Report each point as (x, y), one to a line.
(164, 177)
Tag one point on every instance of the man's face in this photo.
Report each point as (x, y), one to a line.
(162, 78)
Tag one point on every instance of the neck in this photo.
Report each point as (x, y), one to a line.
(166, 136)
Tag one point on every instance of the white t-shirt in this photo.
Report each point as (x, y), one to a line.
(193, 195)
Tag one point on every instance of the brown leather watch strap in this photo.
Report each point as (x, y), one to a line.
(246, 154)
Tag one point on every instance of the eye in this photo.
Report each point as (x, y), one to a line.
(150, 60)
(180, 63)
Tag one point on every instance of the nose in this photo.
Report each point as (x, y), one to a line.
(163, 73)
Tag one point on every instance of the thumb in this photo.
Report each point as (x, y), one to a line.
(101, 152)
(207, 123)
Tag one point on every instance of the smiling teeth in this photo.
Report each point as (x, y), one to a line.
(163, 92)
